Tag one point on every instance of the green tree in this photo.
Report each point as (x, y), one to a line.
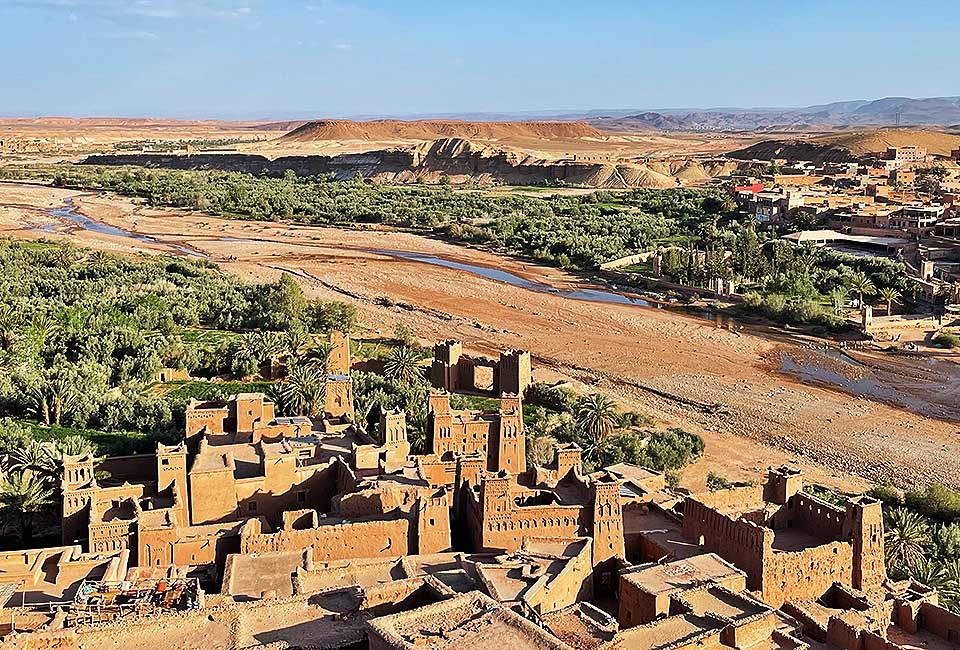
(9, 325)
(838, 298)
(929, 572)
(597, 415)
(861, 285)
(889, 295)
(13, 436)
(303, 390)
(22, 496)
(39, 458)
(906, 536)
(403, 365)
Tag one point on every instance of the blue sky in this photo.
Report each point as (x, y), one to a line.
(313, 58)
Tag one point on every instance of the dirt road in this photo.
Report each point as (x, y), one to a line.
(682, 370)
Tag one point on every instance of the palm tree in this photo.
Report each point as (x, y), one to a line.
(9, 323)
(269, 344)
(23, 495)
(950, 591)
(838, 298)
(277, 393)
(417, 430)
(98, 261)
(53, 398)
(318, 355)
(889, 295)
(363, 404)
(43, 328)
(403, 365)
(304, 390)
(36, 457)
(907, 533)
(931, 573)
(861, 285)
(597, 416)
(297, 343)
(75, 446)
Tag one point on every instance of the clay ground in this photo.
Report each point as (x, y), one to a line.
(763, 418)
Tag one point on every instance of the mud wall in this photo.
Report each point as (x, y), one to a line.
(367, 539)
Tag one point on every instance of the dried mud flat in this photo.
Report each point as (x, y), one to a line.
(685, 371)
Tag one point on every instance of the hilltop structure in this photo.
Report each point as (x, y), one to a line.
(331, 537)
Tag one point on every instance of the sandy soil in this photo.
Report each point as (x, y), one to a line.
(712, 378)
(71, 137)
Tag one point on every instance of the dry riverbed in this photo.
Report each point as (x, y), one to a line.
(684, 371)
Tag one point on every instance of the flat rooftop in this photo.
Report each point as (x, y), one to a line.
(581, 626)
(252, 575)
(795, 539)
(682, 574)
(362, 573)
(667, 631)
(920, 640)
(661, 530)
(714, 600)
(833, 235)
(473, 621)
(510, 580)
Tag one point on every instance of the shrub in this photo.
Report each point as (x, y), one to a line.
(946, 339)
(716, 482)
(672, 478)
(554, 398)
(889, 495)
(774, 305)
(752, 300)
(937, 501)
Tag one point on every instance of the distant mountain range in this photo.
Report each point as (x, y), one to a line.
(931, 111)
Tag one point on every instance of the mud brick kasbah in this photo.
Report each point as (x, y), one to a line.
(258, 530)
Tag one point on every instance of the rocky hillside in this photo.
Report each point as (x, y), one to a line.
(456, 160)
(886, 111)
(325, 130)
(845, 147)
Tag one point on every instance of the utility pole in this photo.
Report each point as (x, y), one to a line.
(899, 113)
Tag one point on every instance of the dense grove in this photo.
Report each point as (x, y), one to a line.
(569, 231)
(703, 235)
(82, 333)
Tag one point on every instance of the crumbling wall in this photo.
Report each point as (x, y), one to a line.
(939, 621)
(817, 517)
(339, 541)
(806, 574)
(743, 543)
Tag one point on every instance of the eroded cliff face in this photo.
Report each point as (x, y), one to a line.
(454, 159)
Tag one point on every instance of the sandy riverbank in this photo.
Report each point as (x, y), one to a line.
(762, 417)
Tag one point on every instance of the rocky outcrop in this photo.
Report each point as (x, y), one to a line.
(455, 159)
(386, 130)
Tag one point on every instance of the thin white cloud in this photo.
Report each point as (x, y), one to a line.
(147, 9)
(132, 35)
(340, 45)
